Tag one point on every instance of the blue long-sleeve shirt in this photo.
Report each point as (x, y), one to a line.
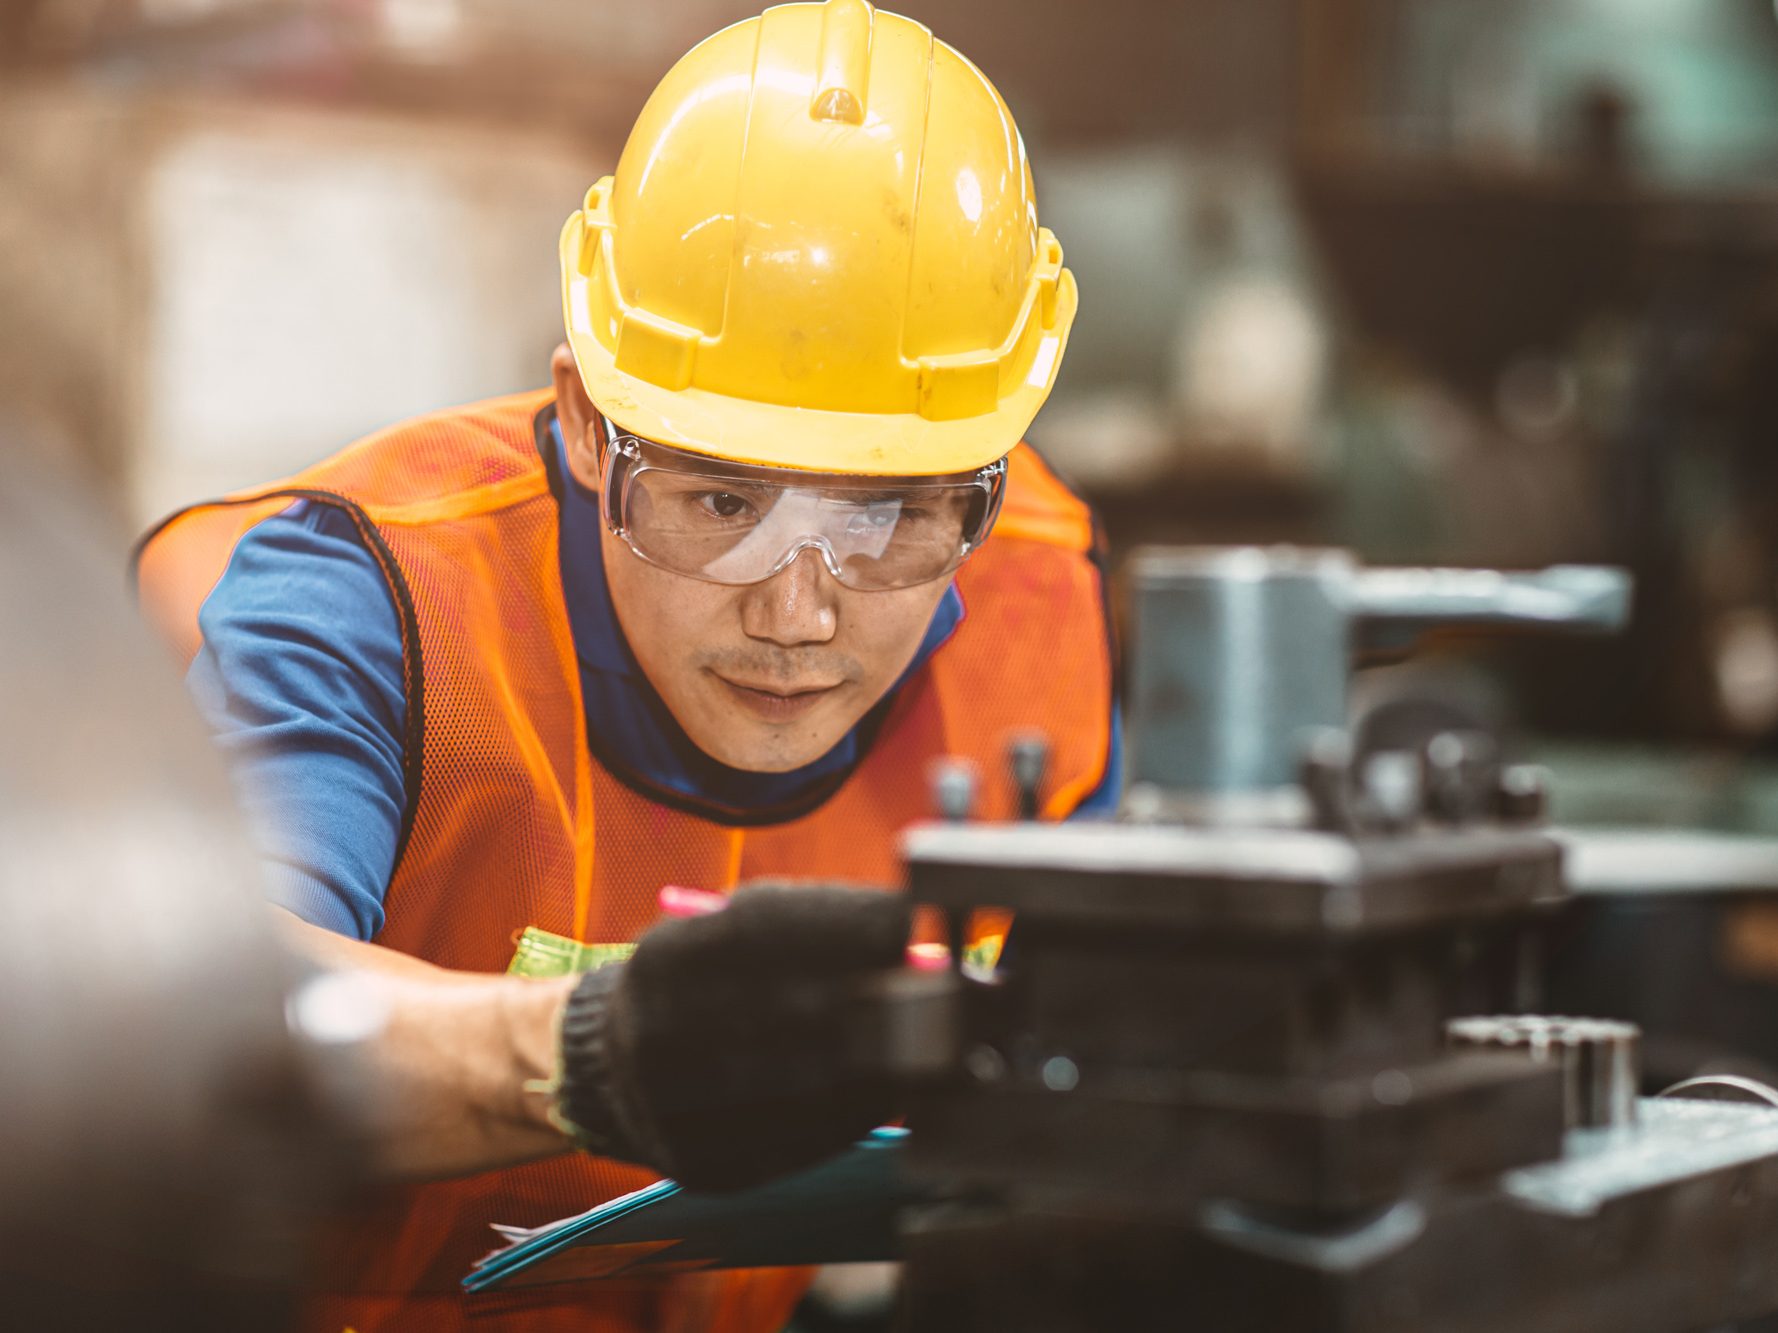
(300, 675)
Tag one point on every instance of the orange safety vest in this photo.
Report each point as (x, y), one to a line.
(513, 821)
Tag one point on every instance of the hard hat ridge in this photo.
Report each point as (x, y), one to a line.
(844, 80)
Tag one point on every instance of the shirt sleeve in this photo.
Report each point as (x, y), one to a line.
(1104, 798)
(300, 676)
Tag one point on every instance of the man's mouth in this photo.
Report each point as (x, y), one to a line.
(775, 703)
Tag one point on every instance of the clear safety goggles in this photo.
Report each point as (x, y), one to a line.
(735, 523)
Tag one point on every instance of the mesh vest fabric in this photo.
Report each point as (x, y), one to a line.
(513, 822)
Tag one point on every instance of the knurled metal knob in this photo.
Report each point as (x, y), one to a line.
(1600, 1059)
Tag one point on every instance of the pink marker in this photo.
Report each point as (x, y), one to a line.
(677, 900)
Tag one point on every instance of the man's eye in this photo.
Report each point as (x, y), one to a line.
(724, 504)
(872, 520)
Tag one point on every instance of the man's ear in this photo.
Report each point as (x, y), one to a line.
(575, 412)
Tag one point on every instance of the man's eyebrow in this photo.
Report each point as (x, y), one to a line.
(911, 495)
(900, 486)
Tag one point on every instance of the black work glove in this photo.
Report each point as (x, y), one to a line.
(718, 1054)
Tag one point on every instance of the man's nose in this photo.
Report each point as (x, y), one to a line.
(799, 604)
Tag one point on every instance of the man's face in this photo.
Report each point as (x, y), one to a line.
(770, 676)
(766, 677)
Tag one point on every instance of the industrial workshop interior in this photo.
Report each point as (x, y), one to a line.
(999, 666)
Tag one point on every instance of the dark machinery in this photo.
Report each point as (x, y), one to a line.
(1218, 1083)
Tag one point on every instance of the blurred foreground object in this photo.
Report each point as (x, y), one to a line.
(163, 1148)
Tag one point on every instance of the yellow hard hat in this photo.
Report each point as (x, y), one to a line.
(820, 250)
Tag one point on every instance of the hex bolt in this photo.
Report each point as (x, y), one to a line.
(1522, 795)
(1456, 765)
(1028, 756)
(1323, 773)
(1393, 787)
(954, 787)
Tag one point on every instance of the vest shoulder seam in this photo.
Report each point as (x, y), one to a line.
(1067, 532)
(1064, 519)
(480, 500)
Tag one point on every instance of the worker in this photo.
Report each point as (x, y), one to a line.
(705, 611)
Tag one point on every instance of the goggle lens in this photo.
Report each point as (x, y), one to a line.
(740, 525)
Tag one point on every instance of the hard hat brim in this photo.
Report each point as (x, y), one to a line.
(743, 430)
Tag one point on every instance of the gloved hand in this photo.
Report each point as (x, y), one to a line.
(717, 1054)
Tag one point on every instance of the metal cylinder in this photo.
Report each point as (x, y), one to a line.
(1600, 1059)
(1241, 654)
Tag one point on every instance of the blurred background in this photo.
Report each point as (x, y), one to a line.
(1465, 281)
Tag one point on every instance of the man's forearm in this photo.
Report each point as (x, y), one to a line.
(461, 1071)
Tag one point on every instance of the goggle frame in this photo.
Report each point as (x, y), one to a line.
(625, 456)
